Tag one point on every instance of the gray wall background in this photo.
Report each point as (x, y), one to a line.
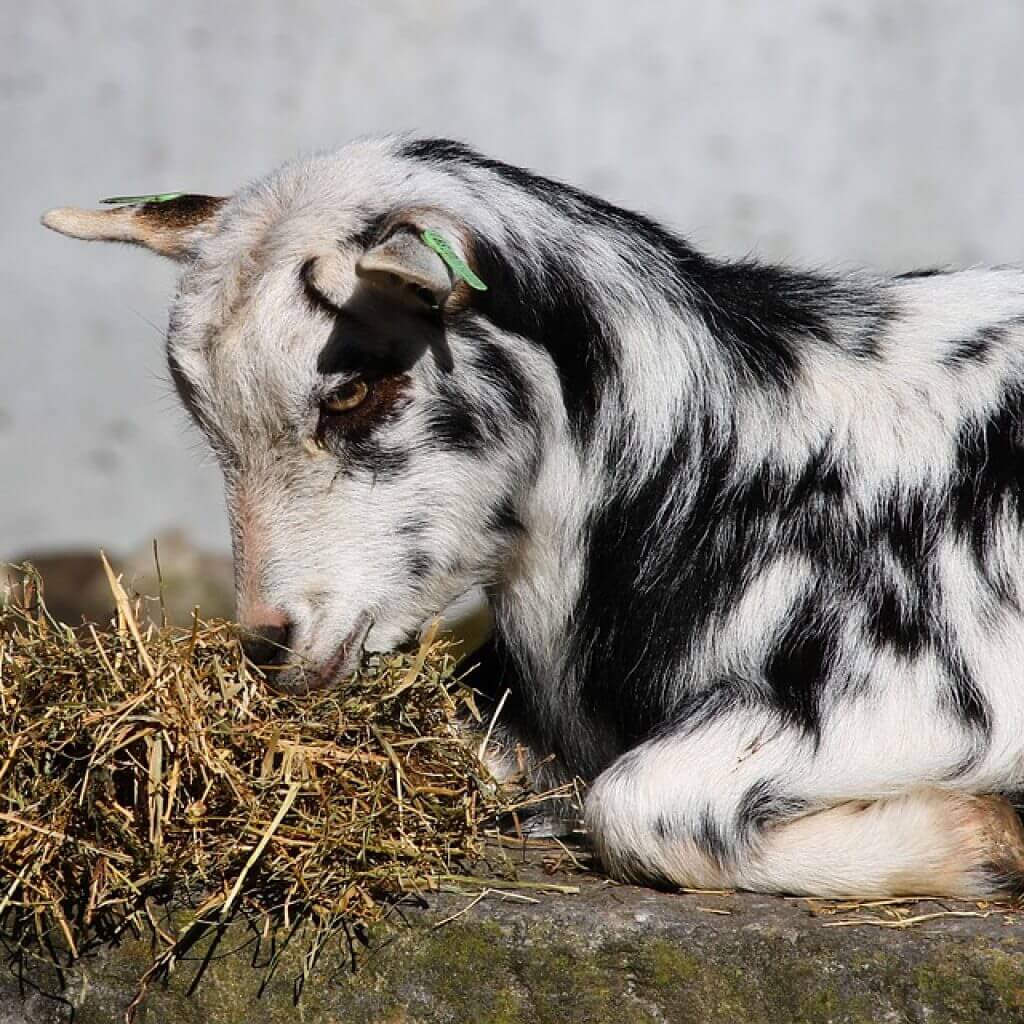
(879, 132)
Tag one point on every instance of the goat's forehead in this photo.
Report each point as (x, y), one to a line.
(297, 211)
(304, 209)
(240, 295)
(239, 324)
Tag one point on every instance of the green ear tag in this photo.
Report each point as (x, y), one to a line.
(160, 197)
(458, 266)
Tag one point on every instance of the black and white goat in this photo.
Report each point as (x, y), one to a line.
(754, 539)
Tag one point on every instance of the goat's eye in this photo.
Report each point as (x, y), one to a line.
(349, 396)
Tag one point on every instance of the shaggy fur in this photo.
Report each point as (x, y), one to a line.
(753, 538)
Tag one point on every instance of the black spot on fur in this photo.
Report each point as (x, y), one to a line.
(723, 532)
(504, 518)
(619, 548)
(418, 564)
(1004, 881)
(370, 231)
(974, 348)
(963, 697)
(988, 483)
(761, 315)
(631, 867)
(454, 421)
(369, 453)
(413, 525)
(799, 664)
(763, 804)
(502, 372)
(909, 275)
(889, 562)
(908, 523)
(566, 199)
(551, 307)
(708, 838)
(898, 620)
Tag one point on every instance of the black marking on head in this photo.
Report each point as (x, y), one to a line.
(501, 371)
(973, 349)
(798, 666)
(764, 804)
(552, 308)
(419, 564)
(413, 525)
(371, 231)
(385, 462)
(315, 299)
(355, 434)
(504, 518)
(454, 421)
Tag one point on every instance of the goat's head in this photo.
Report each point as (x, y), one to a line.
(375, 434)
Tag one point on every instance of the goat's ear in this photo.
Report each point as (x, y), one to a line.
(170, 224)
(405, 266)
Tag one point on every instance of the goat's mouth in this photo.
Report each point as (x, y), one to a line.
(299, 679)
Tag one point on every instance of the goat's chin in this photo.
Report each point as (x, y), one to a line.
(300, 680)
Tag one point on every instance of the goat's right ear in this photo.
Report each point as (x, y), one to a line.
(169, 224)
(403, 265)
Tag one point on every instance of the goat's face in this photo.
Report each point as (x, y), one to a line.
(371, 452)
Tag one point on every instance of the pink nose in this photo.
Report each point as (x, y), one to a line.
(267, 644)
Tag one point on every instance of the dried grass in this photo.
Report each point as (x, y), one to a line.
(144, 766)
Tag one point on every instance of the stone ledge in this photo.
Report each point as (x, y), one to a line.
(608, 955)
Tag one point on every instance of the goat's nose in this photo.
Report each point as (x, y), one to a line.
(267, 645)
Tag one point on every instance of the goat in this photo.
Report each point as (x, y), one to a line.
(753, 538)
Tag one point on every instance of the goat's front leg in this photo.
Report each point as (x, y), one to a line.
(739, 798)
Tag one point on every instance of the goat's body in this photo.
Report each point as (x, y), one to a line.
(777, 566)
(753, 537)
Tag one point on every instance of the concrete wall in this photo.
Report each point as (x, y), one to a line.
(884, 132)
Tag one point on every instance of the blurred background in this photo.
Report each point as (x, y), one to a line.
(868, 132)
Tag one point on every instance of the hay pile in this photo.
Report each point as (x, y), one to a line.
(137, 767)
